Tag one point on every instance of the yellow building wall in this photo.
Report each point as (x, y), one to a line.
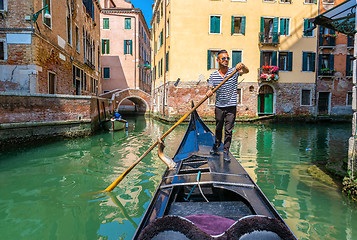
(190, 39)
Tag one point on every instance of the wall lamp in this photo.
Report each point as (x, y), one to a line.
(46, 15)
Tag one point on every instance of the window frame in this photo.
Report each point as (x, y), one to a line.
(286, 53)
(303, 31)
(220, 24)
(240, 98)
(301, 97)
(214, 61)
(241, 24)
(108, 23)
(326, 2)
(349, 93)
(77, 38)
(236, 50)
(313, 2)
(125, 23)
(312, 60)
(69, 29)
(48, 81)
(5, 6)
(280, 1)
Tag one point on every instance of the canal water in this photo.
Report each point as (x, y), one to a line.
(45, 191)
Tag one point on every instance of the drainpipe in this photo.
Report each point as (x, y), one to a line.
(318, 58)
(163, 105)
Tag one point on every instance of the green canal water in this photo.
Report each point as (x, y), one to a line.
(45, 190)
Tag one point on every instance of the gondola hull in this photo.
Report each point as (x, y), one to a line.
(206, 197)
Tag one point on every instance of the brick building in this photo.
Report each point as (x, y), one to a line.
(335, 63)
(125, 40)
(57, 53)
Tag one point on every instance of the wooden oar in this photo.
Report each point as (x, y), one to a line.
(117, 181)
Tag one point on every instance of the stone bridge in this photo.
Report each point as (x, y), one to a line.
(141, 99)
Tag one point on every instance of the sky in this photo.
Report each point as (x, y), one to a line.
(146, 8)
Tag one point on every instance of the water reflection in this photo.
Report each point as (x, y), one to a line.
(44, 190)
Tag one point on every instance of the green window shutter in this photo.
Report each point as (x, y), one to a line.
(282, 26)
(105, 23)
(218, 24)
(131, 47)
(304, 61)
(167, 61)
(106, 72)
(107, 46)
(155, 47)
(161, 67)
(305, 27)
(290, 61)
(320, 63)
(348, 64)
(208, 59)
(313, 62)
(331, 61)
(215, 24)
(125, 52)
(243, 26)
(103, 50)
(236, 58)
(275, 24)
(261, 58)
(274, 60)
(161, 38)
(261, 24)
(127, 23)
(232, 26)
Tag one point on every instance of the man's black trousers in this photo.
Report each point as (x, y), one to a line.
(225, 116)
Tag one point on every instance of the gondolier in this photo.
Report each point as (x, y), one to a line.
(226, 101)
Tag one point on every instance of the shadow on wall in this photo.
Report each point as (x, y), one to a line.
(117, 78)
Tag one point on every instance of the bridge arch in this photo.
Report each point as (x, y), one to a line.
(141, 99)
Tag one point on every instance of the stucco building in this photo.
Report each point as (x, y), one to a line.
(125, 40)
(335, 64)
(266, 33)
(56, 53)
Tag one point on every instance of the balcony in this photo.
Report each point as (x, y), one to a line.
(326, 73)
(268, 74)
(271, 38)
(327, 41)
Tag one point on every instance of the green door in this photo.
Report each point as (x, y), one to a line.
(265, 103)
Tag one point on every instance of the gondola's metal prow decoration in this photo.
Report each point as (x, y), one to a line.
(167, 160)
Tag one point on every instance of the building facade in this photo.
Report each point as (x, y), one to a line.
(125, 40)
(265, 35)
(53, 52)
(335, 64)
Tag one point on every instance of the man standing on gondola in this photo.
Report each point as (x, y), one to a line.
(226, 101)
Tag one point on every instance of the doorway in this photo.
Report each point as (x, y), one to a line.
(266, 100)
(323, 103)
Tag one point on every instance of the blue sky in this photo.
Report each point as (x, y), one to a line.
(146, 8)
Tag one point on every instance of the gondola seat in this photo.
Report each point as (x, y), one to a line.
(206, 227)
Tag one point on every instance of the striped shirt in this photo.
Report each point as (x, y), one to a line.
(226, 95)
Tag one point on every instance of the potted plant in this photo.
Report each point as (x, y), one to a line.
(327, 71)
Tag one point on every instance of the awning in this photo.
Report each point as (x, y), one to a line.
(341, 18)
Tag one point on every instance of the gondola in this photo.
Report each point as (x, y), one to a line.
(202, 196)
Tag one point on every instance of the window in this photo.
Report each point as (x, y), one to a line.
(326, 62)
(349, 65)
(158, 70)
(89, 7)
(285, 1)
(3, 50)
(349, 99)
(285, 26)
(268, 58)
(128, 47)
(328, 1)
(69, 25)
(310, 1)
(239, 96)
(238, 25)
(77, 38)
(105, 23)
(167, 61)
(307, 26)
(77, 79)
(161, 67)
(47, 21)
(106, 72)
(105, 46)
(3, 5)
(285, 61)
(211, 59)
(167, 28)
(236, 57)
(215, 24)
(51, 82)
(305, 97)
(127, 23)
(161, 38)
(84, 81)
(308, 61)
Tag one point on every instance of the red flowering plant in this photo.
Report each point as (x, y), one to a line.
(269, 73)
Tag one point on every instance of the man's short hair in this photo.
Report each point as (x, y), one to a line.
(222, 51)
